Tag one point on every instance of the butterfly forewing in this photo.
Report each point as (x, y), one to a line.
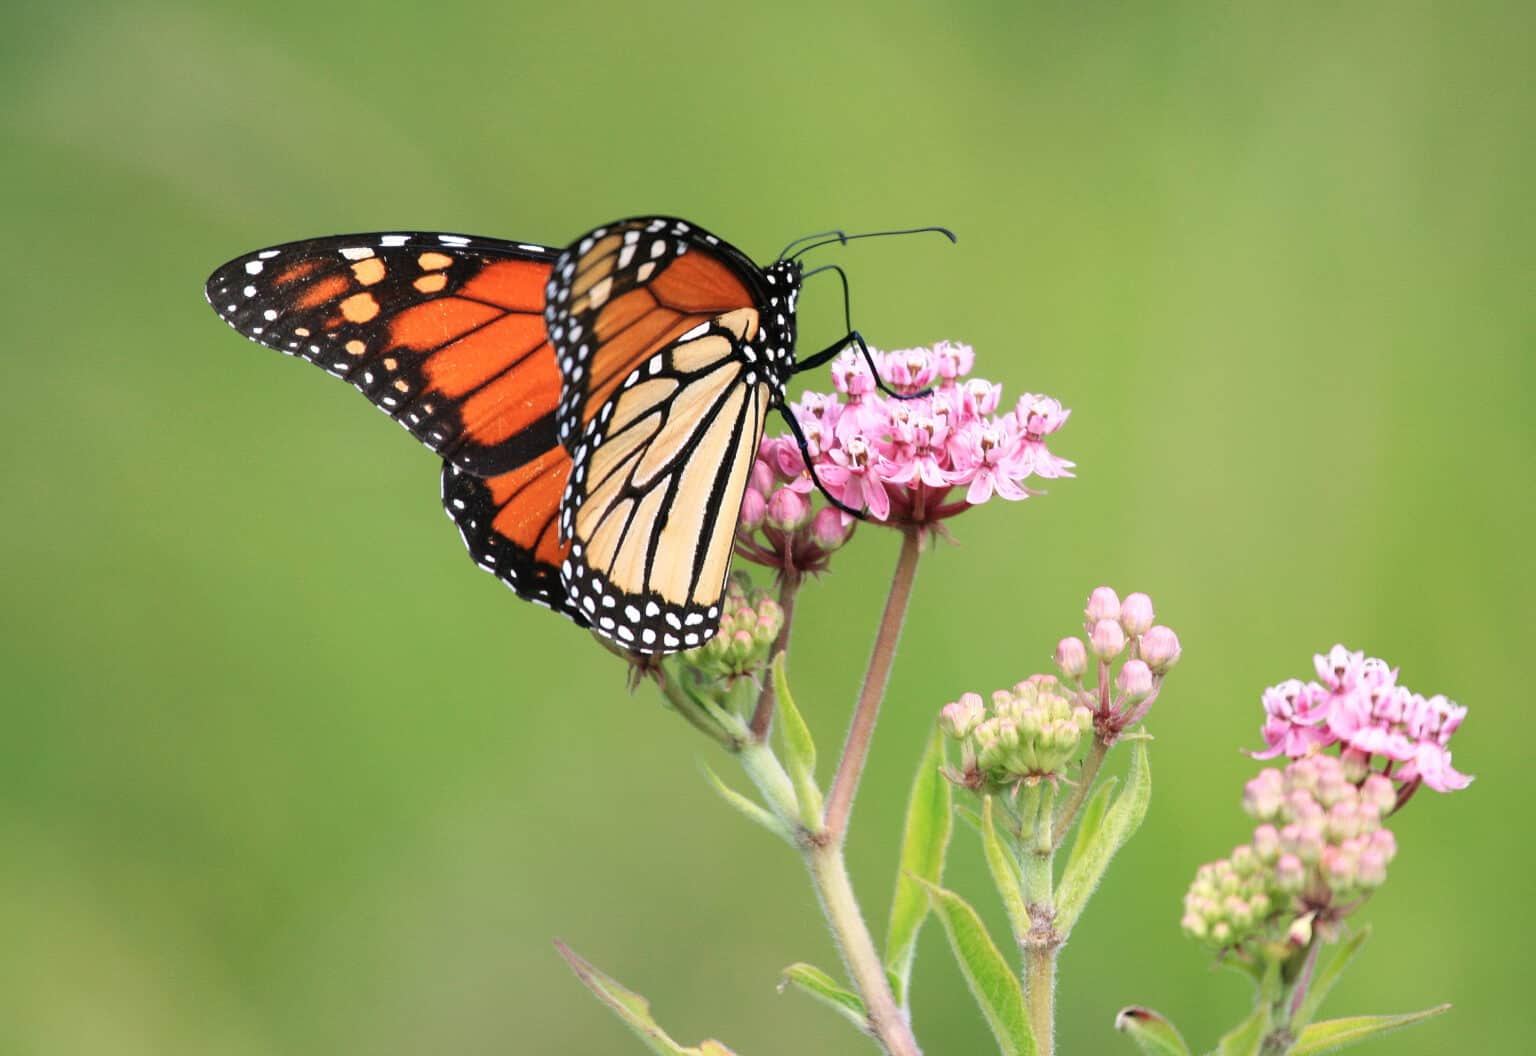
(669, 369)
(444, 333)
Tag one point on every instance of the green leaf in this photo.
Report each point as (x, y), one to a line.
(986, 972)
(821, 986)
(1245, 1038)
(633, 1009)
(1153, 1033)
(1328, 975)
(1121, 820)
(799, 749)
(1333, 1034)
(746, 807)
(1004, 867)
(1091, 818)
(923, 846)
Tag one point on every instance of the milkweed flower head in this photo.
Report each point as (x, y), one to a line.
(1319, 849)
(1378, 726)
(950, 445)
(1117, 669)
(1026, 734)
(750, 621)
(1036, 729)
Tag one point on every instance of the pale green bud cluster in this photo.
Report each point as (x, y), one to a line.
(1025, 733)
(750, 621)
(1320, 848)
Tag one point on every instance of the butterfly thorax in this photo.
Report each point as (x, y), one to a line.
(775, 341)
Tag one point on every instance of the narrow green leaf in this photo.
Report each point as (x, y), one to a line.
(1121, 820)
(1328, 975)
(1153, 1033)
(633, 1009)
(821, 986)
(969, 816)
(799, 749)
(1245, 1038)
(748, 808)
(923, 846)
(1333, 1034)
(1004, 867)
(986, 972)
(1091, 818)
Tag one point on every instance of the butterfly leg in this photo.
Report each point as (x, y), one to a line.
(810, 465)
(853, 337)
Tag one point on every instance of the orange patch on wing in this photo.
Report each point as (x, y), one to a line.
(359, 308)
(327, 289)
(464, 365)
(618, 358)
(356, 347)
(433, 261)
(529, 501)
(517, 285)
(297, 270)
(514, 401)
(697, 282)
(369, 271)
(431, 283)
(435, 323)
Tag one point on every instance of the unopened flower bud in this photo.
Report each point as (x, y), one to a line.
(1135, 680)
(788, 510)
(1103, 604)
(957, 720)
(1379, 792)
(1160, 648)
(1372, 870)
(753, 509)
(830, 528)
(1072, 657)
(1107, 639)
(1136, 614)
(1263, 795)
(762, 479)
(1290, 874)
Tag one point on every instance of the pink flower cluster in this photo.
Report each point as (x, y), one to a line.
(903, 460)
(1319, 848)
(1357, 705)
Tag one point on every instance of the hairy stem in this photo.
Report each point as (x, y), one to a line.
(1085, 779)
(762, 716)
(1043, 942)
(861, 731)
(886, 1021)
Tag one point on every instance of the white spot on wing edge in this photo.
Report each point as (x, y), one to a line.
(357, 252)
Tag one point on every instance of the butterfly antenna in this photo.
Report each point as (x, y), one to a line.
(843, 239)
(847, 312)
(810, 465)
(836, 235)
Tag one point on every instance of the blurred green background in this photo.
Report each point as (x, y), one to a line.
(281, 773)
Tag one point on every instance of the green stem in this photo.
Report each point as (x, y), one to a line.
(1079, 794)
(1043, 942)
(829, 873)
(860, 732)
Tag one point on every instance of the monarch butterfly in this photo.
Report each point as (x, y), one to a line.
(597, 408)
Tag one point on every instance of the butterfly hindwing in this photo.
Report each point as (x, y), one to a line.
(509, 524)
(444, 333)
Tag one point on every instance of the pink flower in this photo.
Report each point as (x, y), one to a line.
(1358, 706)
(925, 458)
(1288, 730)
(854, 477)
